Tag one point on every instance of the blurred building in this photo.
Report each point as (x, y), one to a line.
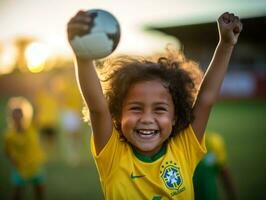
(247, 72)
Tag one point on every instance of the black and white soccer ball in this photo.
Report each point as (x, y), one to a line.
(101, 39)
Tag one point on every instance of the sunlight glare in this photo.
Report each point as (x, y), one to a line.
(7, 61)
(36, 55)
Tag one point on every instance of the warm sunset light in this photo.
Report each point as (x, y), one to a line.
(7, 61)
(169, 102)
(36, 55)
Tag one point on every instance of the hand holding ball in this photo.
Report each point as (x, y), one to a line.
(94, 38)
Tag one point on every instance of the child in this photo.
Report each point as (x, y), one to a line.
(211, 168)
(148, 129)
(23, 149)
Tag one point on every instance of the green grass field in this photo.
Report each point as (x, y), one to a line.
(242, 123)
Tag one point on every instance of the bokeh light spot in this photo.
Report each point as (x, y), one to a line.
(36, 55)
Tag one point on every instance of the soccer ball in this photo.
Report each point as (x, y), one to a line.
(101, 39)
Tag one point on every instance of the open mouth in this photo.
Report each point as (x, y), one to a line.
(144, 133)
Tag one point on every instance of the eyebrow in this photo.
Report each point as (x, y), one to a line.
(140, 103)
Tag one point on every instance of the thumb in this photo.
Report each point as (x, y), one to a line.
(236, 30)
(238, 27)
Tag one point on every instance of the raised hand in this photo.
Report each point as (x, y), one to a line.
(78, 25)
(229, 27)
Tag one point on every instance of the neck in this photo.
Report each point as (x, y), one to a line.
(148, 157)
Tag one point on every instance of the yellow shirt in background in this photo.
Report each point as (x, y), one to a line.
(24, 148)
(215, 144)
(47, 109)
(124, 176)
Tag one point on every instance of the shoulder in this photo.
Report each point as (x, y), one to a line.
(187, 138)
(113, 145)
(187, 132)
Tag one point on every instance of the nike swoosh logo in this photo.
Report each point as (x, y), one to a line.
(136, 176)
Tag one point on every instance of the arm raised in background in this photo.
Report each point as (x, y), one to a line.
(228, 183)
(90, 86)
(229, 27)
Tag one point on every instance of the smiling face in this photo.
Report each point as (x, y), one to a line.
(147, 116)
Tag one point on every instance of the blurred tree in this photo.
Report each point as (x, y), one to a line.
(21, 45)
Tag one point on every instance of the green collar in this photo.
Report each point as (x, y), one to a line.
(149, 159)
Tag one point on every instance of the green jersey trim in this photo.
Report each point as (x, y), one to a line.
(153, 158)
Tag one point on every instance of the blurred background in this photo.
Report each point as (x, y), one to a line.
(36, 62)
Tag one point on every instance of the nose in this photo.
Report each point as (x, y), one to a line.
(147, 117)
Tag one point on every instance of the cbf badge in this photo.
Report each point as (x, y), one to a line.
(171, 175)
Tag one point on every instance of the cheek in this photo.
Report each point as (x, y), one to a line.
(127, 121)
(166, 122)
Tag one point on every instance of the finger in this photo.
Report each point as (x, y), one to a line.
(82, 12)
(72, 35)
(81, 16)
(225, 18)
(76, 29)
(231, 18)
(80, 19)
(77, 26)
(238, 27)
(236, 30)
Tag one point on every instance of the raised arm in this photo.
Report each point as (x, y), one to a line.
(228, 183)
(90, 86)
(229, 27)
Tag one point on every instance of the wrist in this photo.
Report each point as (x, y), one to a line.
(83, 60)
(226, 45)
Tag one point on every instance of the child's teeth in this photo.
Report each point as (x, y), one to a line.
(145, 132)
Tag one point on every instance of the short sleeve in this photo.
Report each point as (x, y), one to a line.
(108, 155)
(193, 150)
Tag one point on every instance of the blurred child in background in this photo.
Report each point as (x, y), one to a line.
(23, 149)
(211, 168)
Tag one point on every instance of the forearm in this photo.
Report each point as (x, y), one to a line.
(89, 85)
(92, 93)
(228, 184)
(213, 78)
(210, 87)
(229, 27)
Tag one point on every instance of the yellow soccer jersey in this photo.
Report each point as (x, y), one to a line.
(124, 176)
(47, 109)
(24, 148)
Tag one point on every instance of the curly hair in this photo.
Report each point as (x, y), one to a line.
(180, 75)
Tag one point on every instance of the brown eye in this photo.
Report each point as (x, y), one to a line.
(135, 108)
(160, 109)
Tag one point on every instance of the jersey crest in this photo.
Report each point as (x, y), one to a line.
(171, 176)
